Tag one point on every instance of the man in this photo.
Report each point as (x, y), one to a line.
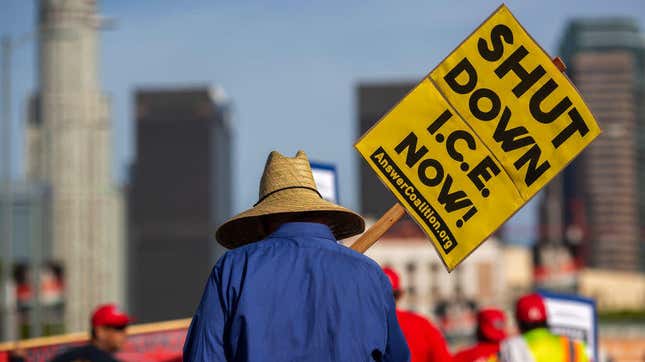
(537, 343)
(108, 326)
(425, 341)
(491, 330)
(289, 291)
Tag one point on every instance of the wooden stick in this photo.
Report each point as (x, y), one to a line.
(379, 228)
(559, 63)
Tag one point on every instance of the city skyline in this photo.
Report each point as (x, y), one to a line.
(139, 127)
(290, 89)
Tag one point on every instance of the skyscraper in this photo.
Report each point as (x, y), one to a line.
(180, 193)
(374, 101)
(69, 147)
(604, 190)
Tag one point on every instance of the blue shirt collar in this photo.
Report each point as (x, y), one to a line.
(303, 229)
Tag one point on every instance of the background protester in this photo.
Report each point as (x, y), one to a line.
(537, 343)
(491, 330)
(425, 341)
(108, 335)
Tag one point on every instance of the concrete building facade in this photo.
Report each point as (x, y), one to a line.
(69, 148)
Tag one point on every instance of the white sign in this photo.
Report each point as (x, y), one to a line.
(574, 317)
(326, 180)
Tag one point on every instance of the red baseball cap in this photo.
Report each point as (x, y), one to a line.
(492, 324)
(530, 309)
(394, 279)
(109, 315)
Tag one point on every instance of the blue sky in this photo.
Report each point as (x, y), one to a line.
(290, 67)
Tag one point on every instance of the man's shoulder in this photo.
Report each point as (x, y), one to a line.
(479, 350)
(465, 355)
(406, 314)
(356, 256)
(515, 349)
(85, 352)
(334, 249)
(234, 256)
(416, 320)
(359, 261)
(71, 352)
(273, 250)
(513, 341)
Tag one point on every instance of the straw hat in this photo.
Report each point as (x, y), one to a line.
(287, 187)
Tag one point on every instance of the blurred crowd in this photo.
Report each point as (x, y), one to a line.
(534, 342)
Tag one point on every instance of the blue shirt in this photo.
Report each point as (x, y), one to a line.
(299, 296)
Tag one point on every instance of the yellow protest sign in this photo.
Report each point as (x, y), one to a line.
(472, 142)
(525, 110)
(441, 172)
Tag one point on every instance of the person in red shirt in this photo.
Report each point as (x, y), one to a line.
(425, 341)
(491, 330)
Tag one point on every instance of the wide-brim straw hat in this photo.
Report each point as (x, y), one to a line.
(287, 187)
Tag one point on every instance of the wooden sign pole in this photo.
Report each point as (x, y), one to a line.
(391, 216)
(379, 228)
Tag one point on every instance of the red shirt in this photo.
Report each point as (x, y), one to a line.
(425, 341)
(481, 352)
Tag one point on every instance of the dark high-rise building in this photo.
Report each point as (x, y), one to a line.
(180, 191)
(603, 191)
(374, 100)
